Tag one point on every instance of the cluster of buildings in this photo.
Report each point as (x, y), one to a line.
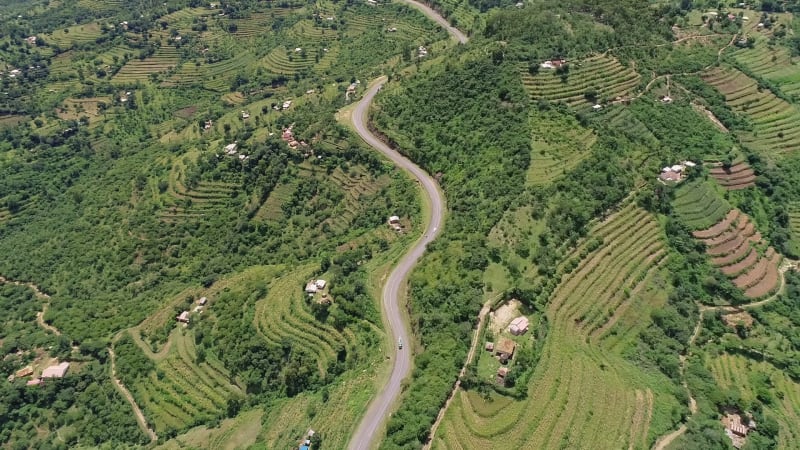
(288, 137)
(306, 444)
(504, 349)
(314, 286)
(232, 150)
(183, 317)
(394, 223)
(54, 371)
(675, 173)
(286, 104)
(554, 63)
(31, 40)
(422, 51)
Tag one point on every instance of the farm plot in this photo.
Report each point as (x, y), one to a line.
(164, 59)
(743, 375)
(773, 63)
(698, 205)
(75, 108)
(558, 145)
(78, 34)
(604, 76)
(737, 176)
(215, 76)
(580, 395)
(185, 204)
(182, 392)
(239, 432)
(284, 315)
(357, 185)
(737, 249)
(774, 120)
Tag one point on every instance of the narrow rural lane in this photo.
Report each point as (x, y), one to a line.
(125, 393)
(371, 424)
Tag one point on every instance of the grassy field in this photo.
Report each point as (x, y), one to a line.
(746, 377)
(231, 434)
(774, 131)
(582, 395)
(601, 74)
(699, 205)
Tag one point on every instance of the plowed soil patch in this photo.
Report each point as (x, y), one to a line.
(769, 282)
(753, 276)
(719, 228)
(739, 267)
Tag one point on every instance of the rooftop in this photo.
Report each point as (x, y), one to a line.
(57, 371)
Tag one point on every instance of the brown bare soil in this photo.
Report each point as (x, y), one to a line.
(732, 257)
(753, 276)
(738, 176)
(737, 268)
(719, 228)
(769, 281)
(734, 319)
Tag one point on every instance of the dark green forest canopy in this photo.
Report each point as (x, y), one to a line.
(571, 28)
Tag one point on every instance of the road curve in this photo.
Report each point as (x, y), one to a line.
(370, 426)
(436, 17)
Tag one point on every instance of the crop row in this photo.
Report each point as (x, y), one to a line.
(603, 76)
(734, 246)
(773, 118)
(282, 315)
(738, 176)
(571, 401)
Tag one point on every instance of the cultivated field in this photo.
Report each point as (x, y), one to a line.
(558, 145)
(231, 434)
(183, 203)
(698, 205)
(182, 392)
(774, 120)
(284, 315)
(78, 34)
(743, 375)
(164, 59)
(774, 63)
(581, 395)
(601, 74)
(737, 249)
(737, 176)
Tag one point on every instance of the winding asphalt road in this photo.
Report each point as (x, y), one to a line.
(370, 426)
(377, 413)
(436, 17)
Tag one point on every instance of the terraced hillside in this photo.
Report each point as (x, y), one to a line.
(182, 391)
(284, 316)
(580, 395)
(698, 205)
(78, 34)
(558, 145)
(602, 75)
(164, 59)
(774, 120)
(773, 63)
(215, 76)
(183, 203)
(737, 249)
(742, 375)
(737, 176)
